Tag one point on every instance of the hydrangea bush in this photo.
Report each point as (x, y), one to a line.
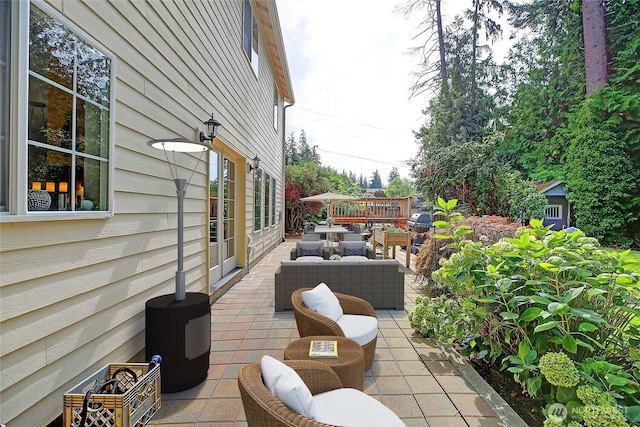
(553, 307)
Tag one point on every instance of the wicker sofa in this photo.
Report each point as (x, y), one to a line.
(379, 282)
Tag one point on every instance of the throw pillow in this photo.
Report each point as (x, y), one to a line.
(285, 383)
(311, 251)
(314, 247)
(321, 300)
(353, 248)
(354, 251)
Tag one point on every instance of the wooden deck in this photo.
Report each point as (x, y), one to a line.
(372, 210)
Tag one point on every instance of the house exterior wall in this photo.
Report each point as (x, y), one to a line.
(72, 290)
(561, 201)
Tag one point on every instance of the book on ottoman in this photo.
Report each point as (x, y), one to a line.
(323, 349)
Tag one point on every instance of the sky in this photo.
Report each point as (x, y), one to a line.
(350, 69)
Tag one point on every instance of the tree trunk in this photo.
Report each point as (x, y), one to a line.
(474, 47)
(443, 62)
(595, 53)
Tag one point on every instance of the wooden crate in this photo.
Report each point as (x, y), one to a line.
(133, 408)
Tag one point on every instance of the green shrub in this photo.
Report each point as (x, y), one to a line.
(486, 229)
(536, 301)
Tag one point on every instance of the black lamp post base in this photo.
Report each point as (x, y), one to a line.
(180, 332)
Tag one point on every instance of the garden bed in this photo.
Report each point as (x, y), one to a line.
(502, 382)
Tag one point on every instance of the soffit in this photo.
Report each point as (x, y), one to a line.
(272, 34)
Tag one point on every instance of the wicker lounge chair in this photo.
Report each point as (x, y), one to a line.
(310, 323)
(263, 409)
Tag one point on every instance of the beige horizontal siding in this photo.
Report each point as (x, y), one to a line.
(73, 293)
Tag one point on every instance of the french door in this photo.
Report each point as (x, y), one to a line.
(222, 215)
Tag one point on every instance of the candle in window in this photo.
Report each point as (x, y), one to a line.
(36, 186)
(63, 187)
(51, 187)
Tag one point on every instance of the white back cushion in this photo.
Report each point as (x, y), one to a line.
(285, 384)
(321, 300)
(272, 370)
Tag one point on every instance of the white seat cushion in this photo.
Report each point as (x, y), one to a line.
(321, 300)
(353, 408)
(310, 259)
(361, 329)
(355, 258)
(285, 384)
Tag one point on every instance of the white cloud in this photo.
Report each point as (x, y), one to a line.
(351, 75)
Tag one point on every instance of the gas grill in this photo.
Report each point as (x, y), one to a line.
(418, 223)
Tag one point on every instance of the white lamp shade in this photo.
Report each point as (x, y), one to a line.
(180, 145)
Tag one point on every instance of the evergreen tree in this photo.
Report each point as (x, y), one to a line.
(393, 174)
(291, 150)
(362, 182)
(544, 80)
(376, 181)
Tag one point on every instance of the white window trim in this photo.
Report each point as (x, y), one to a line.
(18, 99)
(553, 207)
(253, 56)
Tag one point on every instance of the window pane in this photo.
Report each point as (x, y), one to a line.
(91, 176)
(257, 197)
(5, 43)
(267, 198)
(94, 69)
(49, 114)
(246, 28)
(50, 180)
(92, 129)
(273, 201)
(51, 49)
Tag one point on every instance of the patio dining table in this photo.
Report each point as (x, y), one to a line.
(331, 231)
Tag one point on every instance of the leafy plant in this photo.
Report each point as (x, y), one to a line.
(487, 229)
(540, 299)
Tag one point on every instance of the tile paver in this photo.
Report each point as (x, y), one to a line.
(409, 374)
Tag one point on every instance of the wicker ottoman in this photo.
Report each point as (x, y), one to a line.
(349, 365)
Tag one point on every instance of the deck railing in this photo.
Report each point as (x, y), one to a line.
(372, 210)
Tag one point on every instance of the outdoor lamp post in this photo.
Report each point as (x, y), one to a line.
(182, 145)
(178, 326)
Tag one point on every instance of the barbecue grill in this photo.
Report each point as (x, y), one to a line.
(418, 223)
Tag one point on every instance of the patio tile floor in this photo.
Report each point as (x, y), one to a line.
(409, 374)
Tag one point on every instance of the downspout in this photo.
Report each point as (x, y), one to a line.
(284, 159)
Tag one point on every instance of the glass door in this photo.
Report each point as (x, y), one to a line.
(214, 218)
(229, 258)
(222, 216)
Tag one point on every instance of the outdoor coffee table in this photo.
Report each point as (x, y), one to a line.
(349, 365)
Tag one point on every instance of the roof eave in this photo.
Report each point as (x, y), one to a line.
(270, 25)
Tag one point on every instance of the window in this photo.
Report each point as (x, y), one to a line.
(273, 201)
(267, 198)
(68, 122)
(553, 212)
(250, 36)
(257, 200)
(276, 103)
(5, 66)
